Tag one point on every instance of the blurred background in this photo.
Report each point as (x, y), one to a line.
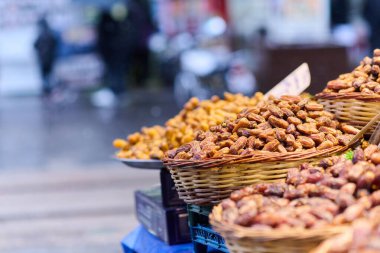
(75, 74)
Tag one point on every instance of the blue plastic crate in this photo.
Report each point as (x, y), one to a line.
(208, 237)
(141, 241)
(204, 238)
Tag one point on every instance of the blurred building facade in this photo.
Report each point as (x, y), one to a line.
(293, 23)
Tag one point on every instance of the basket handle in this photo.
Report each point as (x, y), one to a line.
(365, 129)
(375, 136)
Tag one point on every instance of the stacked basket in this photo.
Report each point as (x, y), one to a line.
(207, 183)
(205, 180)
(275, 217)
(355, 97)
(263, 145)
(245, 240)
(356, 109)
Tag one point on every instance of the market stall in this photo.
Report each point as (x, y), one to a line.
(280, 172)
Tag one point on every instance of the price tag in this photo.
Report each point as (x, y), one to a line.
(294, 84)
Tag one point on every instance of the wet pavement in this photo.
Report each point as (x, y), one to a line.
(60, 189)
(35, 135)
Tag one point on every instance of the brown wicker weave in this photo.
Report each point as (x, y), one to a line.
(247, 240)
(209, 181)
(354, 108)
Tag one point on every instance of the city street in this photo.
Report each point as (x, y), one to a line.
(60, 189)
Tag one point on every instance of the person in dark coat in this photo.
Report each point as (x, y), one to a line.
(371, 14)
(123, 45)
(46, 47)
(113, 48)
(140, 16)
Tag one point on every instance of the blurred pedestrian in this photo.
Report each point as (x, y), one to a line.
(140, 17)
(112, 49)
(339, 12)
(371, 14)
(46, 47)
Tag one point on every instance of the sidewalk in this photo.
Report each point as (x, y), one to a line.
(70, 211)
(34, 136)
(60, 189)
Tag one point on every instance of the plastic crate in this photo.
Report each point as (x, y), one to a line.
(204, 238)
(140, 241)
(169, 194)
(170, 224)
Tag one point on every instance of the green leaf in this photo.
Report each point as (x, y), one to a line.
(349, 155)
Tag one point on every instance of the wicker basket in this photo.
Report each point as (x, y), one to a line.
(246, 240)
(209, 182)
(353, 108)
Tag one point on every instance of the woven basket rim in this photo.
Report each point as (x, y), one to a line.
(240, 232)
(255, 157)
(350, 95)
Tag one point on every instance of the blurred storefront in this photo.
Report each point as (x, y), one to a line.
(267, 29)
(258, 26)
(286, 22)
(175, 16)
(72, 24)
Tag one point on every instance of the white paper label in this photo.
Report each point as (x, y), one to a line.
(294, 84)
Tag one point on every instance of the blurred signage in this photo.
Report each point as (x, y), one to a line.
(294, 84)
(286, 21)
(25, 12)
(176, 16)
(299, 21)
(19, 72)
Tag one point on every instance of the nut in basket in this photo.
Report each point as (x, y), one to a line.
(259, 146)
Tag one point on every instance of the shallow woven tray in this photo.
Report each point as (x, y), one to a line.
(247, 240)
(353, 108)
(210, 181)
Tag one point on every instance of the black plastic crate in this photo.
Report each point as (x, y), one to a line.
(203, 236)
(170, 224)
(169, 194)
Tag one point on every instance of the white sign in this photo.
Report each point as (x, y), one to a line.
(294, 84)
